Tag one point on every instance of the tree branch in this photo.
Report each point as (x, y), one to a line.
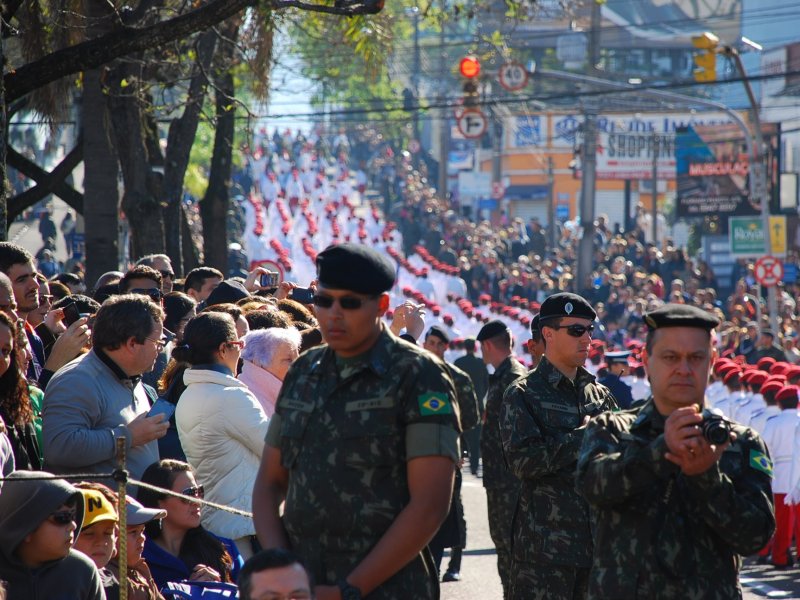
(128, 40)
(46, 183)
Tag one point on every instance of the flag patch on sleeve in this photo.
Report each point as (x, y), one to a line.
(760, 462)
(434, 403)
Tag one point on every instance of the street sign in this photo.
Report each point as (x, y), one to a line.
(498, 190)
(472, 123)
(269, 265)
(747, 236)
(513, 76)
(768, 271)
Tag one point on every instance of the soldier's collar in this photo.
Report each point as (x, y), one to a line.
(648, 414)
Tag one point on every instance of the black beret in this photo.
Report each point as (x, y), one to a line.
(535, 331)
(354, 267)
(491, 329)
(680, 315)
(617, 357)
(438, 332)
(566, 304)
(229, 291)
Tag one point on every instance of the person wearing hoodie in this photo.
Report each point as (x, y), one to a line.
(221, 424)
(39, 521)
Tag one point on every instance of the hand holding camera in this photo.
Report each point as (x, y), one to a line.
(696, 440)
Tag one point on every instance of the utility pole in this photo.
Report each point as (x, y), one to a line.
(444, 133)
(589, 157)
(415, 76)
(655, 188)
(551, 207)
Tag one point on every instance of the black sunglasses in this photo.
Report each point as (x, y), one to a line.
(166, 274)
(346, 302)
(64, 517)
(575, 331)
(155, 295)
(197, 491)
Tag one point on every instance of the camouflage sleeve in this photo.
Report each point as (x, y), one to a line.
(430, 412)
(529, 453)
(273, 437)
(738, 505)
(612, 471)
(468, 401)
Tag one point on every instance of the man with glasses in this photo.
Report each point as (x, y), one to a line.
(162, 264)
(100, 396)
(543, 418)
(39, 521)
(363, 444)
(143, 280)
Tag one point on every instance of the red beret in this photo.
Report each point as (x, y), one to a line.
(721, 364)
(757, 378)
(771, 387)
(779, 368)
(793, 371)
(727, 369)
(730, 375)
(787, 393)
(765, 362)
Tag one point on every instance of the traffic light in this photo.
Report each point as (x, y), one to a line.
(470, 68)
(705, 58)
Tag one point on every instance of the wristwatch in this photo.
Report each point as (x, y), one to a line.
(349, 592)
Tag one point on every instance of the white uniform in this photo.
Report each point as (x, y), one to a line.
(779, 435)
(760, 417)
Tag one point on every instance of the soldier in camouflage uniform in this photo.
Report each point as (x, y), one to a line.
(502, 488)
(453, 532)
(362, 446)
(673, 513)
(543, 420)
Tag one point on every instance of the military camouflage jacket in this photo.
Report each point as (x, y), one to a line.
(495, 471)
(661, 534)
(467, 399)
(345, 432)
(541, 429)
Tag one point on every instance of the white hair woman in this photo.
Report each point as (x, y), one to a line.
(267, 356)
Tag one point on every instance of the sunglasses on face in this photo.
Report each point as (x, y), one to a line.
(346, 302)
(167, 274)
(64, 517)
(154, 294)
(576, 331)
(197, 491)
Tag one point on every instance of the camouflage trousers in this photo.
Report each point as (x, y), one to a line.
(544, 581)
(501, 503)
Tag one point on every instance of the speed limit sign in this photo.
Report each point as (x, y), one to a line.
(513, 76)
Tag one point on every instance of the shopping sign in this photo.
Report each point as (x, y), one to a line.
(747, 236)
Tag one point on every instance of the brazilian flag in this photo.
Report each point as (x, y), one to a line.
(760, 462)
(434, 403)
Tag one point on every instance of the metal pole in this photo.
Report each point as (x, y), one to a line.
(655, 188)
(444, 133)
(758, 178)
(415, 77)
(123, 520)
(589, 159)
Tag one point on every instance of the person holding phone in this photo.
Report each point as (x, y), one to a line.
(220, 423)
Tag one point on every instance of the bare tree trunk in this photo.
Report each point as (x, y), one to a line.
(179, 146)
(139, 160)
(214, 205)
(100, 181)
(4, 184)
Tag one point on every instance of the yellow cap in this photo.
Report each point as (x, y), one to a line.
(96, 507)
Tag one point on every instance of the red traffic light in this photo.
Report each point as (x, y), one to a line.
(470, 67)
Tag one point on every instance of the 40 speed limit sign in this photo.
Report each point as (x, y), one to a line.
(513, 76)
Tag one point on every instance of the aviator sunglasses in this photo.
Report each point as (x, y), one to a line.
(346, 302)
(575, 331)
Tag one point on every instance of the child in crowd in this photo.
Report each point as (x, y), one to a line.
(100, 531)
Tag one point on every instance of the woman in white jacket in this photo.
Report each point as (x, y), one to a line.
(220, 423)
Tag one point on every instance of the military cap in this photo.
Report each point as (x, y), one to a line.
(779, 368)
(356, 268)
(565, 304)
(680, 315)
(757, 378)
(787, 393)
(535, 326)
(491, 329)
(792, 371)
(438, 332)
(617, 357)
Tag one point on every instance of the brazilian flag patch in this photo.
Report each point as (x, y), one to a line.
(434, 403)
(760, 462)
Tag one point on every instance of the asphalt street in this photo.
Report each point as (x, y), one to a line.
(479, 579)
